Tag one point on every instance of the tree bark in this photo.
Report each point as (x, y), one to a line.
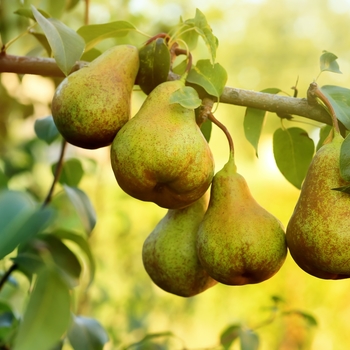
(284, 106)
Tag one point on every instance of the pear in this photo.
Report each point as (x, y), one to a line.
(161, 155)
(92, 104)
(318, 232)
(169, 252)
(238, 241)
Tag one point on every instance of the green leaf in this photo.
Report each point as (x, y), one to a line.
(187, 97)
(249, 339)
(42, 40)
(94, 33)
(345, 189)
(83, 207)
(311, 320)
(328, 62)
(28, 262)
(344, 161)
(212, 78)
(86, 334)
(47, 315)
(293, 150)
(324, 132)
(64, 259)
(67, 46)
(339, 98)
(20, 220)
(83, 244)
(200, 25)
(254, 120)
(3, 180)
(149, 337)
(28, 13)
(72, 172)
(206, 128)
(45, 129)
(229, 335)
(90, 55)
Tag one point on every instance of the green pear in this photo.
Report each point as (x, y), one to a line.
(169, 252)
(238, 241)
(318, 232)
(92, 104)
(161, 155)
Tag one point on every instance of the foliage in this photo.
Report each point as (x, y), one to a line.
(52, 250)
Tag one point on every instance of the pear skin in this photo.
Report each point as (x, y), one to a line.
(161, 155)
(238, 241)
(318, 232)
(92, 104)
(169, 252)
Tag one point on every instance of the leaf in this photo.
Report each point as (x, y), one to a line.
(212, 78)
(311, 320)
(339, 98)
(200, 25)
(249, 339)
(229, 335)
(90, 55)
(47, 315)
(3, 180)
(64, 258)
(42, 40)
(94, 33)
(28, 13)
(293, 150)
(86, 333)
(254, 120)
(324, 132)
(67, 46)
(206, 128)
(148, 337)
(20, 220)
(82, 243)
(345, 189)
(45, 129)
(344, 161)
(328, 62)
(72, 172)
(83, 207)
(187, 97)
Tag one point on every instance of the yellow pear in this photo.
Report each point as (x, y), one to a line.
(169, 252)
(92, 104)
(318, 232)
(238, 241)
(160, 155)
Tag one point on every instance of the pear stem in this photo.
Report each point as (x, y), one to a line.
(86, 16)
(179, 52)
(226, 132)
(314, 92)
(160, 35)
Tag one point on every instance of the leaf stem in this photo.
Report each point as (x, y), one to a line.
(57, 174)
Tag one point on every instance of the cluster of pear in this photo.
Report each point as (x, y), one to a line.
(221, 235)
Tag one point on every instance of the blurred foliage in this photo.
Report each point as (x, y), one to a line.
(262, 44)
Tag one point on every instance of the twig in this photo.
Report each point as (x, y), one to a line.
(7, 275)
(239, 97)
(57, 174)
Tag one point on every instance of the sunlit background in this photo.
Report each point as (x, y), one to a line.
(262, 44)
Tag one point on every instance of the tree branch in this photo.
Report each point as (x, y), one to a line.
(282, 105)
